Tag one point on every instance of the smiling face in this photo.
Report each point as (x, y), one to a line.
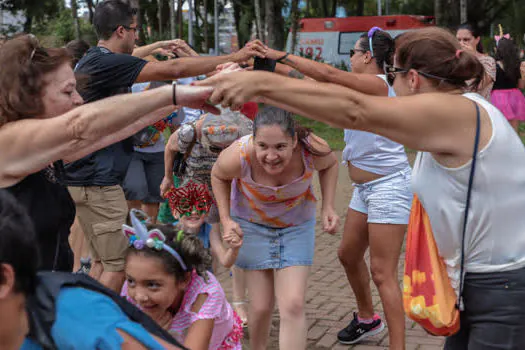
(150, 286)
(273, 148)
(193, 222)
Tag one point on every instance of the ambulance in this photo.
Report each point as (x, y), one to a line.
(330, 39)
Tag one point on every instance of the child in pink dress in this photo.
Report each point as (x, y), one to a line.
(166, 277)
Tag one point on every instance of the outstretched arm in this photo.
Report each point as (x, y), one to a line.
(365, 83)
(29, 145)
(433, 122)
(193, 66)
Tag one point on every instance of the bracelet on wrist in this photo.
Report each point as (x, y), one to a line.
(280, 60)
(174, 94)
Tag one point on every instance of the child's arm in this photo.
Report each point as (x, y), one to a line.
(200, 331)
(226, 256)
(172, 147)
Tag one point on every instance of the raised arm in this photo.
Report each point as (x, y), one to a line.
(226, 255)
(365, 83)
(170, 151)
(29, 145)
(194, 66)
(433, 122)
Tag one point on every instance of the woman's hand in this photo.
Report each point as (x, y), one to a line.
(250, 50)
(330, 220)
(233, 240)
(195, 97)
(235, 89)
(231, 231)
(166, 185)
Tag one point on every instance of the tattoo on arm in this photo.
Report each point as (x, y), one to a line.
(296, 74)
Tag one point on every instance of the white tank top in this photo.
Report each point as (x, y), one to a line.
(495, 235)
(374, 153)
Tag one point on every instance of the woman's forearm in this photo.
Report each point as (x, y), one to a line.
(222, 190)
(328, 183)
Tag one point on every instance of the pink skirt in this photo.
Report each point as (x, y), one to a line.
(510, 102)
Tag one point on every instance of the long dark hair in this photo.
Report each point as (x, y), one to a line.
(269, 116)
(476, 33)
(507, 53)
(383, 45)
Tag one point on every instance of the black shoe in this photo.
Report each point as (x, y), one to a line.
(357, 331)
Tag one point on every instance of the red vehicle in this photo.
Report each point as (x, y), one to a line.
(331, 39)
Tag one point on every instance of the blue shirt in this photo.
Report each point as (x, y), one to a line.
(89, 320)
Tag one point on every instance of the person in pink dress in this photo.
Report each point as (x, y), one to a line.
(166, 277)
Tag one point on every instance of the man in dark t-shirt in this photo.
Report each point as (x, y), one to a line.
(94, 181)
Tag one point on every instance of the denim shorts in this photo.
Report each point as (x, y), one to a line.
(265, 247)
(386, 200)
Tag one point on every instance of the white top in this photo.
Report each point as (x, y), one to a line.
(374, 153)
(495, 235)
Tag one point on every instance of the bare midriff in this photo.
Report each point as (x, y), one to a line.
(361, 176)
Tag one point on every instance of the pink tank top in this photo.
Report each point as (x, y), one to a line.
(284, 206)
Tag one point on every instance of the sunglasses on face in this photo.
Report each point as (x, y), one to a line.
(354, 51)
(390, 73)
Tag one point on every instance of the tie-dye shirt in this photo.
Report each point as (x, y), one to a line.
(283, 206)
(227, 330)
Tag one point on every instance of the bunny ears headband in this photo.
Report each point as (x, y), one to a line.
(139, 236)
(501, 35)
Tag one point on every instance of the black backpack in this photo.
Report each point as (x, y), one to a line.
(41, 306)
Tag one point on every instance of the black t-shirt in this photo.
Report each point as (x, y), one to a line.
(104, 74)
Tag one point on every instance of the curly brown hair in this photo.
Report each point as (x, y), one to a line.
(24, 63)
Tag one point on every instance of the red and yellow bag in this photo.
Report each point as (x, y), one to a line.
(428, 296)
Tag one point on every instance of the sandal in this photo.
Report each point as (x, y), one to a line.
(239, 308)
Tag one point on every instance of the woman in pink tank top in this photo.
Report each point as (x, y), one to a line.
(263, 188)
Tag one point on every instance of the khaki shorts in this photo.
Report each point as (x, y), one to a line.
(101, 211)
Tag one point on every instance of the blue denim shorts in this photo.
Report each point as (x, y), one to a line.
(265, 247)
(386, 200)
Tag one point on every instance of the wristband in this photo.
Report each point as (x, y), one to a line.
(280, 60)
(174, 94)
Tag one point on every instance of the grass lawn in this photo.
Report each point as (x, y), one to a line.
(333, 136)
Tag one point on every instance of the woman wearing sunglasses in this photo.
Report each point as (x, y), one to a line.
(380, 206)
(437, 117)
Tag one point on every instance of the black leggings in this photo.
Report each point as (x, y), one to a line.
(494, 315)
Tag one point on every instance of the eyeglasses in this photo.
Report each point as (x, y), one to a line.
(391, 71)
(354, 51)
(135, 29)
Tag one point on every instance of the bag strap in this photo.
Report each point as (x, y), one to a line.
(467, 207)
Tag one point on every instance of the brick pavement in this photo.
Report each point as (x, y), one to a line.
(329, 300)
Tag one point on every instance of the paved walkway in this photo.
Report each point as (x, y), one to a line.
(329, 299)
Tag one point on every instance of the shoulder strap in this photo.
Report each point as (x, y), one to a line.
(467, 206)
